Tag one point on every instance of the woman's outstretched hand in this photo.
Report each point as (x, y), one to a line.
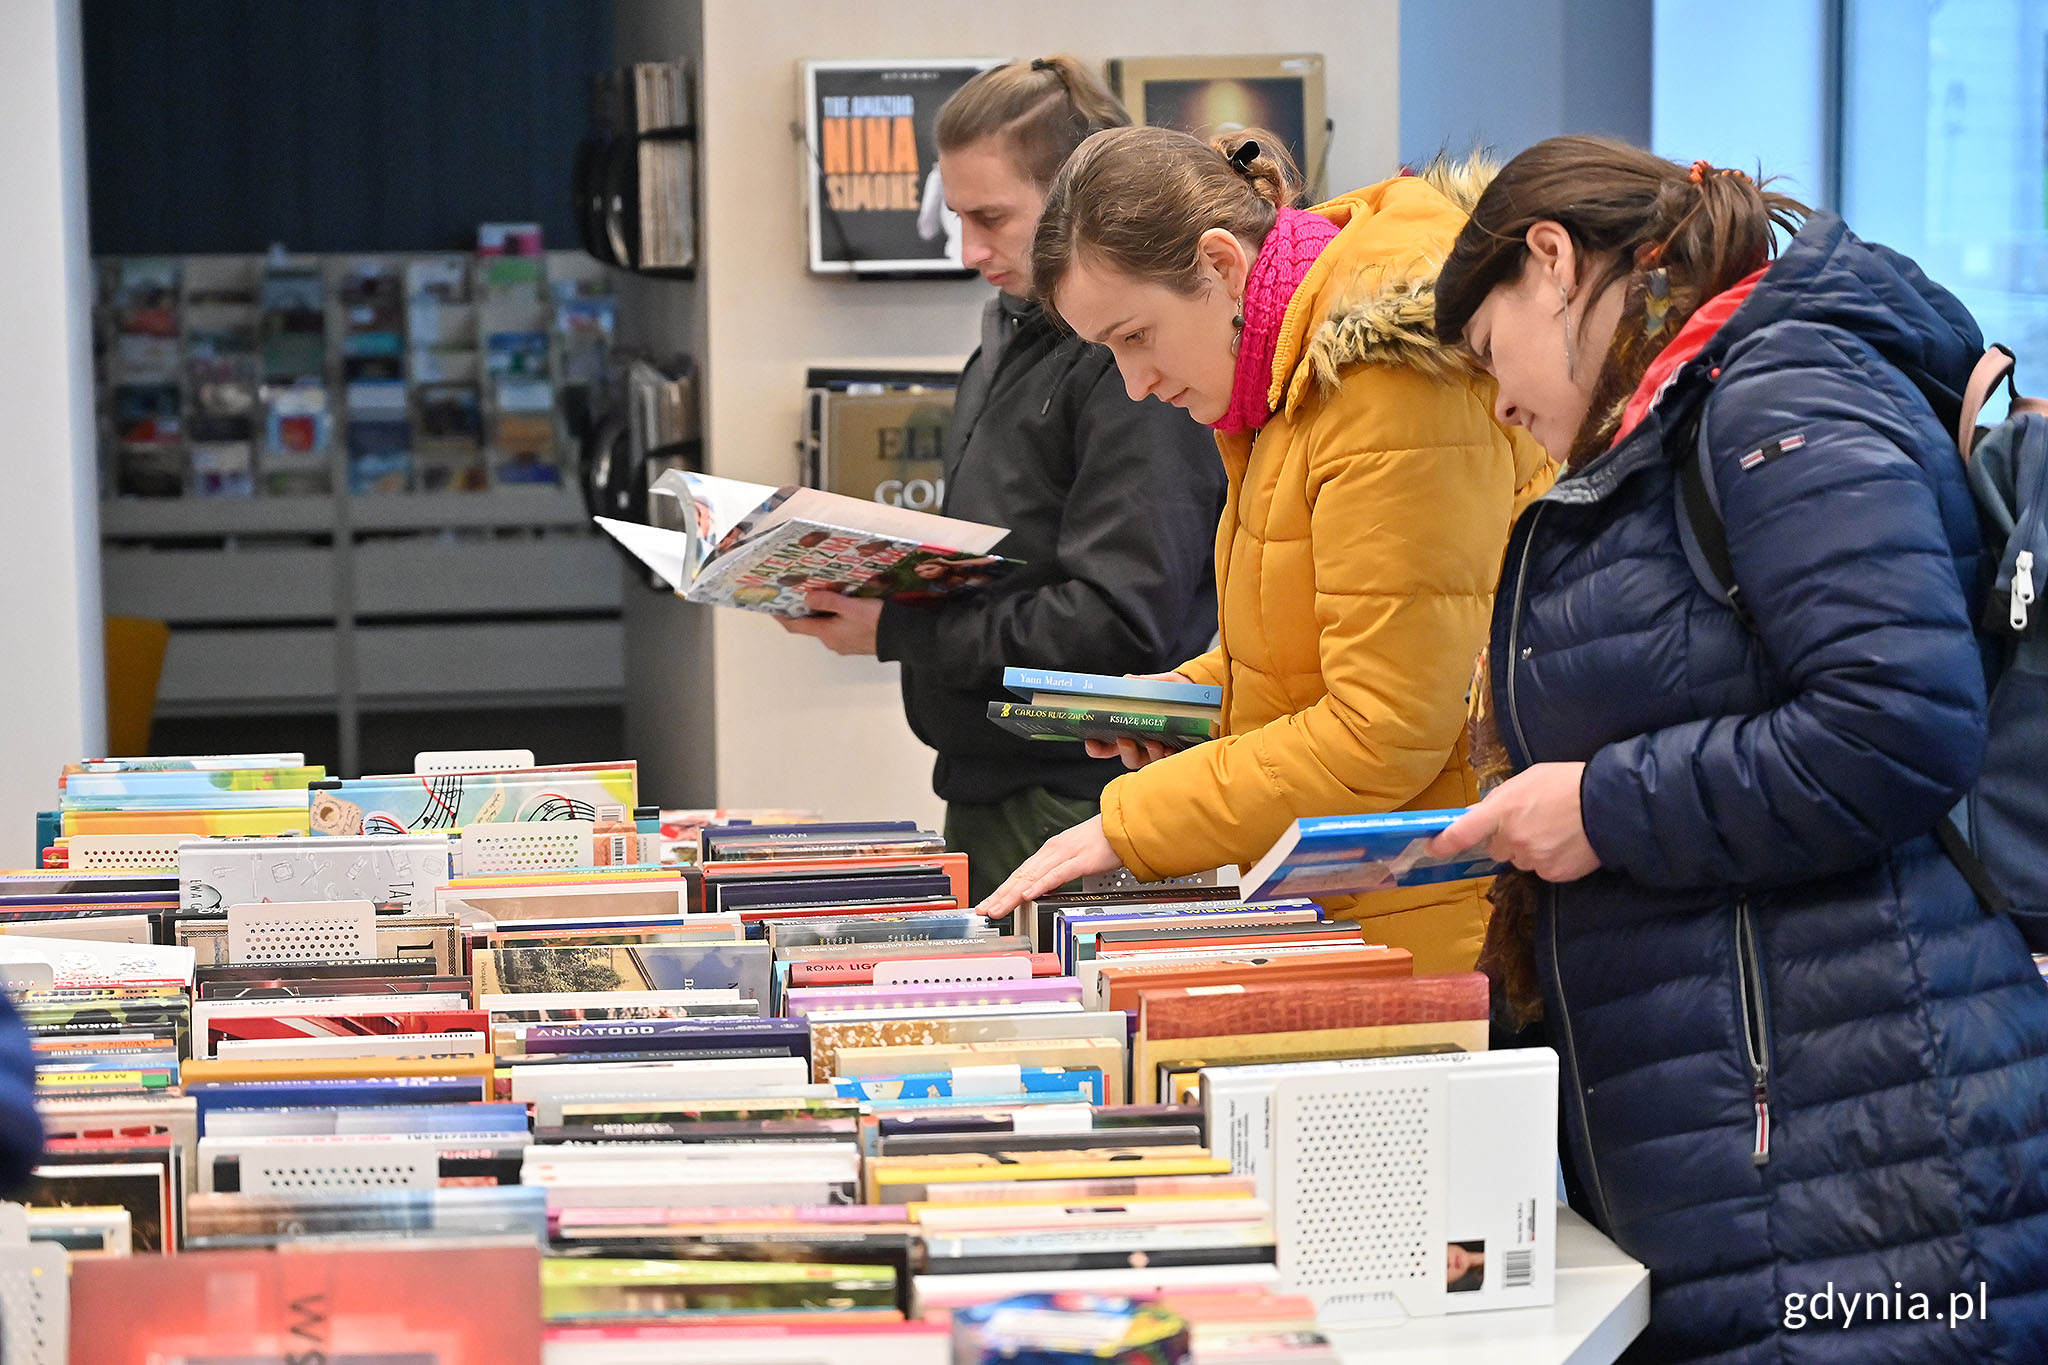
(1079, 852)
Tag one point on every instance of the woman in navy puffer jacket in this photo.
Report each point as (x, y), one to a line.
(1805, 1074)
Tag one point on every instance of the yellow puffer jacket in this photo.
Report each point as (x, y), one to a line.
(1355, 569)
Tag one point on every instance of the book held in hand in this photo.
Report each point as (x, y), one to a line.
(1348, 855)
(761, 549)
(1077, 706)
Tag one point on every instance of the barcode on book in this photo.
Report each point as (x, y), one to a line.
(1521, 1269)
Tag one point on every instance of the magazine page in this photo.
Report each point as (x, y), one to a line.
(820, 508)
(772, 570)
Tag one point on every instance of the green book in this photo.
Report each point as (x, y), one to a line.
(1075, 723)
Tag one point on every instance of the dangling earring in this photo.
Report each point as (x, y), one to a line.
(1237, 329)
(1656, 300)
(1566, 299)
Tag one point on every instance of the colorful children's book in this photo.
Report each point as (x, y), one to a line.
(761, 549)
(1348, 855)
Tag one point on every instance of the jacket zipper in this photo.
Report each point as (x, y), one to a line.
(1571, 1062)
(1755, 1037)
(1514, 659)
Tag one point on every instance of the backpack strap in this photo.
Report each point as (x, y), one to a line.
(1710, 533)
(1957, 846)
(1993, 367)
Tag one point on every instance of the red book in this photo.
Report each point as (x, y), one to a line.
(1121, 986)
(1287, 1008)
(250, 1027)
(451, 1305)
(753, 914)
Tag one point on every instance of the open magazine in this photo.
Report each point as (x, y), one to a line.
(759, 548)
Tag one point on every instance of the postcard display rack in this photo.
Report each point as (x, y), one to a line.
(338, 477)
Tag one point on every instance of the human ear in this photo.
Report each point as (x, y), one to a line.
(1218, 252)
(1552, 251)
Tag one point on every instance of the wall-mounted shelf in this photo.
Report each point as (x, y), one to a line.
(361, 605)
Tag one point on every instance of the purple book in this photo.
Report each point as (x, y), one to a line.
(637, 1035)
(804, 1001)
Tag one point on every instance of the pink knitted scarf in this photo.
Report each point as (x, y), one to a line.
(1283, 261)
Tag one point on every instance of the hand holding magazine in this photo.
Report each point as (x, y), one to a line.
(761, 549)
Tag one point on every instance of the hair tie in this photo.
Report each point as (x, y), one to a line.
(1041, 64)
(1247, 152)
(1698, 175)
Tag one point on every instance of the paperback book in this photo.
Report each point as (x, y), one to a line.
(1350, 855)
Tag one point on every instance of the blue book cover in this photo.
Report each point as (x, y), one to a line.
(1081, 1083)
(423, 1119)
(326, 1093)
(1349, 855)
(1028, 682)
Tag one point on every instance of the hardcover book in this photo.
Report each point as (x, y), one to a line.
(1075, 723)
(1047, 687)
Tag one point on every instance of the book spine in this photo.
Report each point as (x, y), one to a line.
(1285, 1008)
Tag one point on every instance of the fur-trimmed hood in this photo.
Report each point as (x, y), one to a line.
(1381, 307)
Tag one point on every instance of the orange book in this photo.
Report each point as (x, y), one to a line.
(216, 1069)
(1121, 986)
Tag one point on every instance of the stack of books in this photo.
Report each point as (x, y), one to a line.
(788, 1096)
(1079, 706)
(252, 794)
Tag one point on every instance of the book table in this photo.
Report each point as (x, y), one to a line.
(1603, 1302)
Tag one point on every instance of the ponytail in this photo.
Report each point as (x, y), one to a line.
(1039, 111)
(1262, 159)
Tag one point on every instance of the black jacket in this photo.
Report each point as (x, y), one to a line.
(1112, 505)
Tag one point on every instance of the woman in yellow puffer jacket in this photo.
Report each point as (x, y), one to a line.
(1370, 494)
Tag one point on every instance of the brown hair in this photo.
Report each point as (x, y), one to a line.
(1707, 227)
(1139, 200)
(1041, 109)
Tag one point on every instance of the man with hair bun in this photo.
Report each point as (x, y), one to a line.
(1111, 500)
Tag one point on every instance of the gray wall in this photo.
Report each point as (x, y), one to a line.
(1507, 73)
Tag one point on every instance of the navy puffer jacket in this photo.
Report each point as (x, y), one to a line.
(1797, 1054)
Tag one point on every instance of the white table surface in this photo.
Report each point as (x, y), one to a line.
(1603, 1302)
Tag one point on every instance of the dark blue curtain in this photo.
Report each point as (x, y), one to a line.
(334, 125)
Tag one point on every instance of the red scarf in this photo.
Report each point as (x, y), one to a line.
(1284, 258)
(1692, 338)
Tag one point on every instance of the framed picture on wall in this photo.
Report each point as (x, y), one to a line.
(873, 202)
(1208, 96)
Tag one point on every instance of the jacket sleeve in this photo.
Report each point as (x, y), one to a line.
(21, 1131)
(1406, 545)
(1839, 549)
(1133, 552)
(1209, 669)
